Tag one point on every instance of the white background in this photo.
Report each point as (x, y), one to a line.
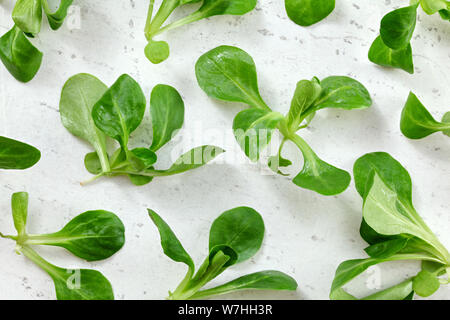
(307, 235)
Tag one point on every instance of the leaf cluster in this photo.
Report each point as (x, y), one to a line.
(93, 112)
(235, 236)
(158, 51)
(394, 231)
(229, 73)
(92, 236)
(18, 54)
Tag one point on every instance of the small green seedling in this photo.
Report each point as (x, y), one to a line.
(417, 122)
(392, 48)
(93, 112)
(16, 155)
(235, 236)
(158, 51)
(308, 12)
(229, 73)
(394, 231)
(92, 236)
(18, 54)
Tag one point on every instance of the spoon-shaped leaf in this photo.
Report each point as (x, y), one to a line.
(397, 27)
(19, 56)
(317, 175)
(262, 280)
(382, 55)
(416, 122)
(308, 12)
(92, 235)
(167, 112)
(120, 110)
(253, 130)
(229, 73)
(306, 93)
(27, 15)
(241, 229)
(17, 155)
(76, 284)
(78, 97)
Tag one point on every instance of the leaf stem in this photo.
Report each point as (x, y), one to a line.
(83, 183)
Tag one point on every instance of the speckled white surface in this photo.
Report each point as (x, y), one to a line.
(307, 235)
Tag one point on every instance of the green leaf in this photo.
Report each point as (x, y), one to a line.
(56, 18)
(229, 73)
(73, 284)
(157, 51)
(92, 235)
(147, 156)
(317, 175)
(416, 122)
(386, 249)
(92, 163)
(253, 130)
(241, 229)
(433, 6)
(393, 174)
(19, 56)
(138, 180)
(193, 159)
(27, 15)
(342, 92)
(308, 12)
(263, 280)
(402, 291)
(221, 7)
(78, 97)
(371, 236)
(277, 162)
(19, 205)
(386, 214)
(425, 283)
(347, 271)
(171, 245)
(305, 94)
(397, 27)
(17, 155)
(446, 119)
(445, 14)
(382, 55)
(167, 112)
(120, 110)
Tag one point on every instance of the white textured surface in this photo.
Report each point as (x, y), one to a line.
(307, 235)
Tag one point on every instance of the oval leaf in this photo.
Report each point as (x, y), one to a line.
(78, 97)
(253, 130)
(19, 206)
(27, 15)
(416, 122)
(17, 155)
(382, 55)
(167, 112)
(342, 92)
(425, 283)
(229, 73)
(241, 229)
(92, 235)
(19, 56)
(221, 7)
(308, 12)
(397, 27)
(157, 51)
(120, 110)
